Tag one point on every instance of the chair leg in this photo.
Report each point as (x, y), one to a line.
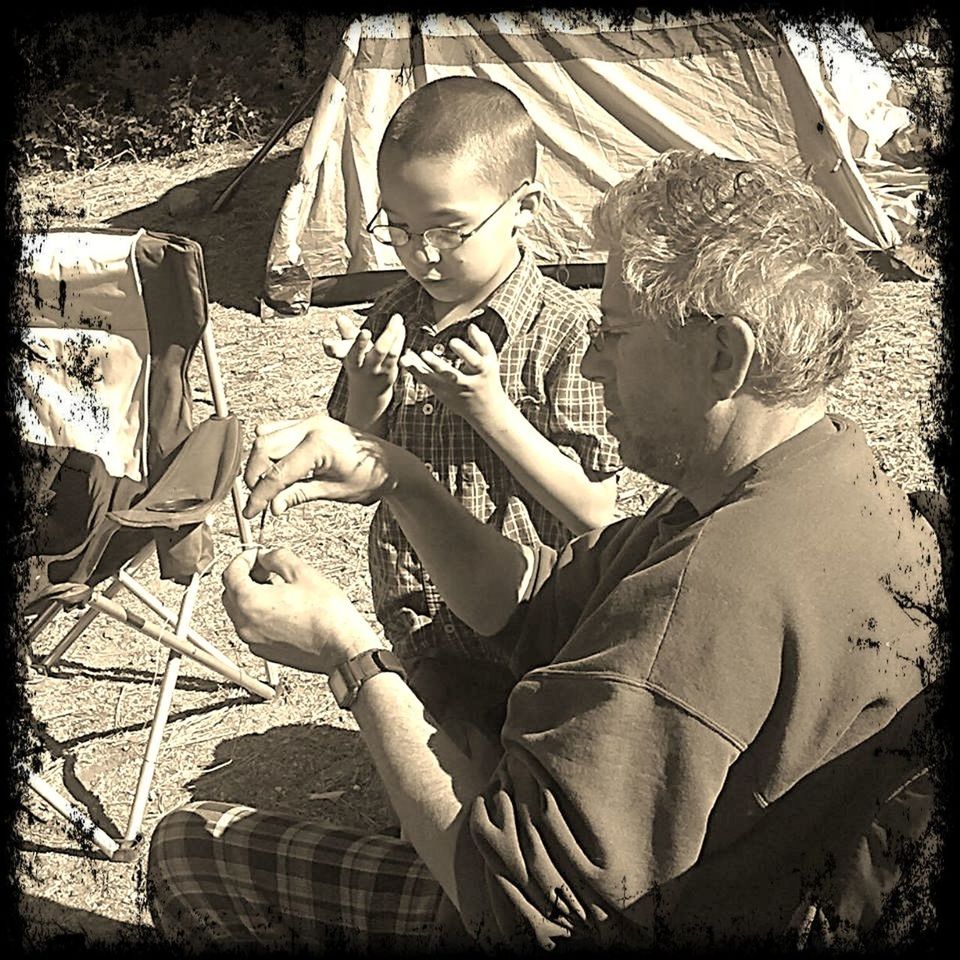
(160, 715)
(53, 657)
(273, 673)
(227, 670)
(42, 620)
(75, 632)
(69, 811)
(149, 600)
(222, 409)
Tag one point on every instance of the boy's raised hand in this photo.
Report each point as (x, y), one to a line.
(364, 359)
(472, 387)
(371, 367)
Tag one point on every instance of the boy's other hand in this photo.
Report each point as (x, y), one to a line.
(471, 387)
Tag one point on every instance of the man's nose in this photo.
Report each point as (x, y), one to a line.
(593, 366)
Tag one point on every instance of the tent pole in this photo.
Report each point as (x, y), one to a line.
(333, 83)
(285, 125)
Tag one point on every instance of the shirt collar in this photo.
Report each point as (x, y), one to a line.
(517, 300)
(515, 303)
(799, 444)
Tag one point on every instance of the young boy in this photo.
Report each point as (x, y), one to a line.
(472, 363)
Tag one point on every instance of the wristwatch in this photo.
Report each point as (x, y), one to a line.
(345, 682)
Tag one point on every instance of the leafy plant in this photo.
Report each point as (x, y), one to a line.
(161, 87)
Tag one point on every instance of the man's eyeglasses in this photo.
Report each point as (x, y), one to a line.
(440, 238)
(598, 334)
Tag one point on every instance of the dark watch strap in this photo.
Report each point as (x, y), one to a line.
(345, 682)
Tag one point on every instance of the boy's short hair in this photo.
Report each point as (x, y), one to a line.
(472, 117)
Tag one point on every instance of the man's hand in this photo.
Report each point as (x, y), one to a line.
(370, 365)
(472, 387)
(287, 612)
(295, 461)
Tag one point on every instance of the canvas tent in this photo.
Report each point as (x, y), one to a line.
(604, 98)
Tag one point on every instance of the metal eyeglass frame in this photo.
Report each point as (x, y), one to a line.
(597, 334)
(456, 236)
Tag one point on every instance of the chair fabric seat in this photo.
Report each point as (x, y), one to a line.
(86, 523)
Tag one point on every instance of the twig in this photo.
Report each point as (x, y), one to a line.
(219, 766)
(116, 709)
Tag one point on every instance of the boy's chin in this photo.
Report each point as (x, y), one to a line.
(446, 291)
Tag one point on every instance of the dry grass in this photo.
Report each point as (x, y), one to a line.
(298, 752)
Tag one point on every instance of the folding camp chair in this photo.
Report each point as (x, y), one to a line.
(113, 321)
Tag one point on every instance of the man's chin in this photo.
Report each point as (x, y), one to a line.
(636, 456)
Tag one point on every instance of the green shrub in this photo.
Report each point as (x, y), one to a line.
(153, 87)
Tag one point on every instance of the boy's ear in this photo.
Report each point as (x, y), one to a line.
(529, 205)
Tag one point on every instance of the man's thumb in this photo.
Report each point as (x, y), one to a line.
(282, 561)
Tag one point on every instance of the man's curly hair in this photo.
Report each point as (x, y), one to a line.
(701, 234)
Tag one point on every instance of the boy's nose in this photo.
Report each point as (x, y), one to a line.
(424, 251)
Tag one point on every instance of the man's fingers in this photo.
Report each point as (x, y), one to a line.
(274, 440)
(304, 491)
(237, 574)
(286, 473)
(282, 561)
(274, 426)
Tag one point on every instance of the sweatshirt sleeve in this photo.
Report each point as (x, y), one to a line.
(604, 789)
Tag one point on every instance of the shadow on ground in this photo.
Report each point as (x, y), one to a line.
(314, 771)
(58, 929)
(236, 238)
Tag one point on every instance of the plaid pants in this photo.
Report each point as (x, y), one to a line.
(225, 875)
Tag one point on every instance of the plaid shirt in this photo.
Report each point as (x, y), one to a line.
(539, 329)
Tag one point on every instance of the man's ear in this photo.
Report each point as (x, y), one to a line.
(529, 205)
(734, 347)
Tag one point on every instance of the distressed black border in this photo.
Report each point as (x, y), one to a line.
(18, 500)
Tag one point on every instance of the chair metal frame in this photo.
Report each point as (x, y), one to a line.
(183, 641)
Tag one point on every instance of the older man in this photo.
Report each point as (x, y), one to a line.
(676, 674)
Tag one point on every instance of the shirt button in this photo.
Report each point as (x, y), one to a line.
(428, 408)
(449, 628)
(439, 348)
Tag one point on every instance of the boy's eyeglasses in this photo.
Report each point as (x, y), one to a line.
(440, 238)
(598, 334)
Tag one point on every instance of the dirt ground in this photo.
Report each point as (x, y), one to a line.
(298, 752)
